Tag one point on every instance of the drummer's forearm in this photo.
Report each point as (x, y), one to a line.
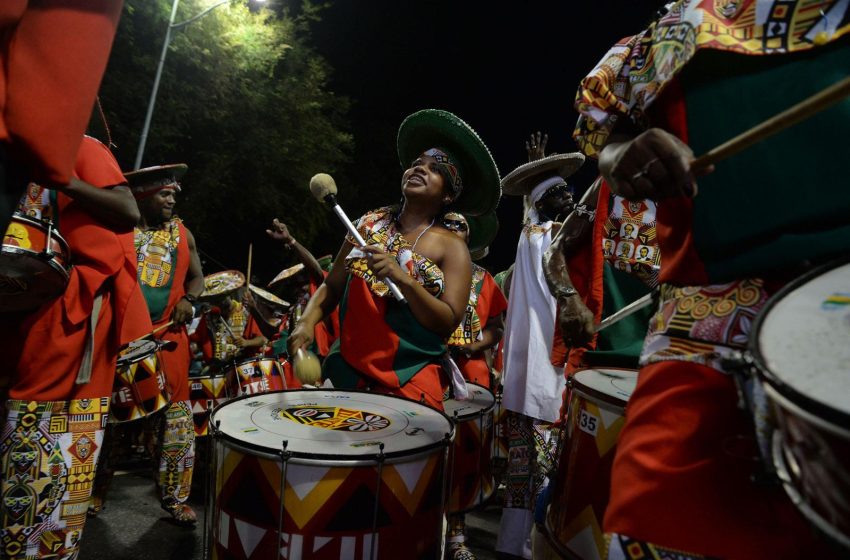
(114, 206)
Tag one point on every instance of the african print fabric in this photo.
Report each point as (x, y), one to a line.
(621, 547)
(224, 343)
(379, 227)
(156, 250)
(469, 330)
(636, 70)
(177, 459)
(49, 451)
(629, 241)
(36, 203)
(531, 456)
(703, 324)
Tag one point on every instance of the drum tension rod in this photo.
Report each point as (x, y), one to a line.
(284, 457)
(380, 458)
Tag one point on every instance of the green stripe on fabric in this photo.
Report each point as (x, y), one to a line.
(335, 368)
(417, 346)
(157, 298)
(620, 344)
(773, 204)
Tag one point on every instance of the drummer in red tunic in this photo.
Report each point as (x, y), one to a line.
(703, 72)
(171, 280)
(62, 358)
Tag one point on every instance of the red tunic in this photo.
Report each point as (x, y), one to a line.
(46, 347)
(52, 58)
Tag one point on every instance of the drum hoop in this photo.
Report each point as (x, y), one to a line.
(332, 458)
(42, 225)
(126, 362)
(20, 251)
(798, 500)
(598, 397)
(771, 380)
(478, 413)
(784, 402)
(236, 364)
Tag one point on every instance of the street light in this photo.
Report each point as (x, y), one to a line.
(143, 139)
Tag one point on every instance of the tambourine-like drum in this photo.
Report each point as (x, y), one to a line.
(801, 346)
(140, 387)
(472, 469)
(205, 393)
(35, 264)
(328, 474)
(254, 375)
(588, 442)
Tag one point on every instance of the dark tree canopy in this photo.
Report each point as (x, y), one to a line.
(244, 102)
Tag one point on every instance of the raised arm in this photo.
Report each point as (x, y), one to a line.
(279, 232)
(114, 206)
(574, 318)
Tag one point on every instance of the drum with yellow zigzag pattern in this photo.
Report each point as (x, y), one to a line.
(205, 393)
(140, 386)
(472, 480)
(587, 444)
(344, 496)
(257, 374)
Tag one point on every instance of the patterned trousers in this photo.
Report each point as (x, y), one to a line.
(48, 454)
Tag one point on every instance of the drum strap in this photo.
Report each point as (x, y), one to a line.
(459, 389)
(84, 375)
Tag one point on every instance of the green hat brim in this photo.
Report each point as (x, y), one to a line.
(482, 231)
(434, 128)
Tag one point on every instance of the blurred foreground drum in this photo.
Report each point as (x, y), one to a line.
(327, 474)
(801, 347)
(140, 387)
(205, 393)
(35, 264)
(472, 469)
(254, 375)
(580, 487)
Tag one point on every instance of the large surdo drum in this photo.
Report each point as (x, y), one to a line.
(587, 445)
(801, 346)
(328, 474)
(471, 466)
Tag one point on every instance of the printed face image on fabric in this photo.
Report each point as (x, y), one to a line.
(628, 231)
(608, 247)
(625, 250)
(645, 254)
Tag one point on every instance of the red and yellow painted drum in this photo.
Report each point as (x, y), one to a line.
(580, 491)
(258, 374)
(472, 469)
(35, 264)
(140, 387)
(205, 393)
(328, 474)
(800, 348)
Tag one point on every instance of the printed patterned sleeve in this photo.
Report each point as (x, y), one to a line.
(604, 96)
(367, 222)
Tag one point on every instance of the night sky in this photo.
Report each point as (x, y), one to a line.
(506, 68)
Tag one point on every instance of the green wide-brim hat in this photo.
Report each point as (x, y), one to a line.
(434, 128)
(482, 231)
(522, 180)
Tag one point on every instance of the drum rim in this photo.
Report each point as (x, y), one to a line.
(595, 395)
(65, 271)
(311, 458)
(477, 413)
(236, 363)
(41, 223)
(803, 401)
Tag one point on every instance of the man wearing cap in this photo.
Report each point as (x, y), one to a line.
(171, 279)
(61, 359)
(532, 385)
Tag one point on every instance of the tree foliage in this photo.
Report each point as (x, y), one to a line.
(244, 102)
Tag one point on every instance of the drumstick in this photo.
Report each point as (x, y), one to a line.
(631, 308)
(818, 102)
(250, 253)
(159, 328)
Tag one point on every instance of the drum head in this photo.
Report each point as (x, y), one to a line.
(613, 386)
(331, 425)
(801, 341)
(137, 350)
(481, 401)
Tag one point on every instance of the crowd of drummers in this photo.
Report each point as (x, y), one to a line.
(661, 373)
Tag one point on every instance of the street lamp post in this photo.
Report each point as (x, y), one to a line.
(171, 27)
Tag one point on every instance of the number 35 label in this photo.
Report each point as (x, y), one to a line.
(588, 423)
